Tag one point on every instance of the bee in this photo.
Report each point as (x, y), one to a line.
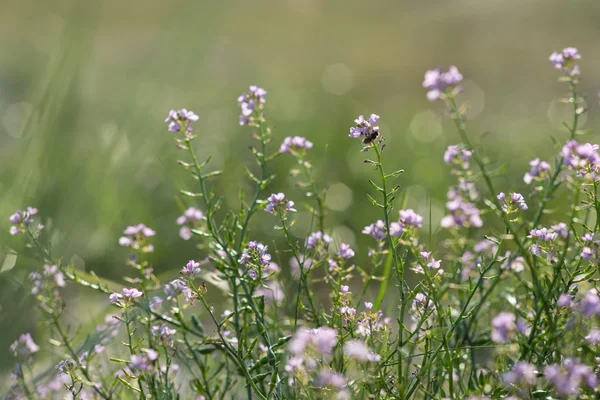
(371, 137)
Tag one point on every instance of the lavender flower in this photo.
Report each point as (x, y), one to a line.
(457, 156)
(345, 251)
(251, 104)
(191, 269)
(564, 300)
(255, 258)
(462, 215)
(376, 230)
(365, 128)
(359, 351)
(136, 237)
(522, 374)
(164, 334)
(582, 158)
(181, 119)
(317, 239)
(590, 304)
(24, 347)
(177, 287)
(296, 145)
(278, 203)
(565, 60)
(593, 337)
(131, 294)
(502, 326)
(567, 380)
(543, 235)
(515, 203)
(438, 81)
(191, 218)
(143, 363)
(21, 220)
(409, 221)
(538, 171)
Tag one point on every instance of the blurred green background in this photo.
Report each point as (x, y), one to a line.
(85, 87)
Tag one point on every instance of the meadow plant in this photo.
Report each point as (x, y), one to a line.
(506, 304)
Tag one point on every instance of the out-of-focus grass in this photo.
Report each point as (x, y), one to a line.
(84, 88)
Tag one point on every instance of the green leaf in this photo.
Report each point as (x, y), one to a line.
(373, 201)
(212, 174)
(190, 194)
(251, 175)
(395, 173)
(379, 189)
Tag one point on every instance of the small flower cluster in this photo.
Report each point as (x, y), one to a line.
(21, 220)
(251, 104)
(125, 297)
(454, 155)
(318, 240)
(365, 128)
(136, 237)
(255, 258)
(181, 120)
(538, 172)
(277, 203)
(190, 219)
(296, 145)
(582, 158)
(51, 277)
(515, 203)
(568, 380)
(565, 61)
(407, 224)
(437, 82)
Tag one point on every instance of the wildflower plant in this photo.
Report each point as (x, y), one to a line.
(506, 306)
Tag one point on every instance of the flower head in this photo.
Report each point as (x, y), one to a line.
(365, 128)
(191, 269)
(251, 104)
(181, 119)
(277, 202)
(24, 346)
(296, 145)
(565, 60)
(136, 237)
(437, 81)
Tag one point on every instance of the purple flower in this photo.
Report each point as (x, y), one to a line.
(587, 253)
(317, 239)
(538, 170)
(277, 202)
(250, 103)
(190, 219)
(163, 334)
(325, 339)
(345, 251)
(457, 156)
(182, 118)
(437, 81)
(564, 300)
(515, 203)
(502, 326)
(590, 304)
(409, 220)
(462, 214)
(543, 235)
(130, 294)
(114, 298)
(177, 287)
(567, 380)
(421, 303)
(24, 346)
(522, 374)
(376, 230)
(191, 269)
(593, 337)
(562, 229)
(565, 59)
(344, 290)
(136, 237)
(583, 158)
(21, 220)
(295, 145)
(359, 351)
(365, 128)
